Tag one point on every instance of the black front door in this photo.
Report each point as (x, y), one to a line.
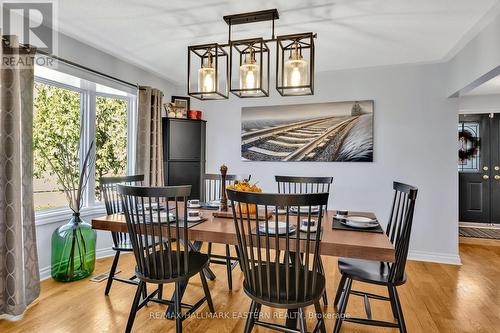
(479, 168)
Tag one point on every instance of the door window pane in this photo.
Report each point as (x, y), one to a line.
(111, 139)
(56, 135)
(468, 147)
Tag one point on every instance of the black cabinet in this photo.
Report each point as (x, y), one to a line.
(184, 153)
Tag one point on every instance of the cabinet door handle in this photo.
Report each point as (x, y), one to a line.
(497, 177)
(486, 177)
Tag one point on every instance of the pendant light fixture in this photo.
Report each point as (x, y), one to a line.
(246, 74)
(295, 65)
(206, 75)
(209, 81)
(249, 61)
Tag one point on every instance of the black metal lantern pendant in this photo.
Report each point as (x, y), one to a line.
(209, 81)
(295, 64)
(249, 68)
(246, 74)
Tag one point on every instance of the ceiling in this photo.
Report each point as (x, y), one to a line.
(351, 33)
(488, 88)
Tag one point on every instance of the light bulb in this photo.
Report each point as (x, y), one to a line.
(295, 72)
(206, 76)
(249, 78)
(250, 75)
(206, 79)
(295, 77)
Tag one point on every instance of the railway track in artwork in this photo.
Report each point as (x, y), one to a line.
(303, 140)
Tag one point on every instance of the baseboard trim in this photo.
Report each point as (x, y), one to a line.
(452, 259)
(99, 253)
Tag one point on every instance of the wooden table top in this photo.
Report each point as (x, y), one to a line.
(338, 243)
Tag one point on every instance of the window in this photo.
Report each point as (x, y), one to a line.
(468, 147)
(72, 112)
(111, 139)
(56, 121)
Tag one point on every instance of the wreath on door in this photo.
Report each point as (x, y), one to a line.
(469, 145)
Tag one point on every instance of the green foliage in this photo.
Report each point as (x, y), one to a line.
(57, 120)
(111, 138)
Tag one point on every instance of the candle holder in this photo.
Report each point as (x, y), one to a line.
(223, 200)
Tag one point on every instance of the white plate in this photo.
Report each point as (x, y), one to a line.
(213, 203)
(195, 219)
(365, 223)
(360, 219)
(303, 228)
(153, 206)
(163, 217)
(272, 230)
(314, 209)
(194, 206)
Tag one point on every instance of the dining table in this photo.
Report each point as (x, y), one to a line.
(359, 244)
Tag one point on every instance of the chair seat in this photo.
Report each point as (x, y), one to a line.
(376, 272)
(313, 295)
(197, 261)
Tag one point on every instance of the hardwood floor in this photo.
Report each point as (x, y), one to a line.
(437, 298)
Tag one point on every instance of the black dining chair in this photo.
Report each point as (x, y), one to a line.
(299, 184)
(280, 271)
(390, 275)
(212, 190)
(160, 256)
(121, 241)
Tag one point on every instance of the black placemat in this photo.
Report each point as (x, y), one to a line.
(181, 222)
(339, 226)
(206, 207)
(302, 235)
(190, 223)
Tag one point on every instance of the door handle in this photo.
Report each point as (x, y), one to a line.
(497, 177)
(486, 177)
(496, 168)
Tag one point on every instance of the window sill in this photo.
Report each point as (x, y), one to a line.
(58, 215)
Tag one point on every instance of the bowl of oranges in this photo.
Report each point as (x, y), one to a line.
(245, 186)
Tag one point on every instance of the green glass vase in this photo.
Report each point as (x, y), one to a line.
(73, 250)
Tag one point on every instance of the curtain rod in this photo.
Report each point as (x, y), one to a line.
(74, 64)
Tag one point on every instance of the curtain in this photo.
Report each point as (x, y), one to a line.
(19, 275)
(149, 151)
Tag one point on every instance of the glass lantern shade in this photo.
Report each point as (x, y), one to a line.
(206, 79)
(295, 66)
(249, 68)
(296, 75)
(207, 72)
(249, 76)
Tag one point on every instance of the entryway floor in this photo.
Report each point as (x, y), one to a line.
(479, 232)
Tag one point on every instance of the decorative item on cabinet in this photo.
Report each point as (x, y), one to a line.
(194, 114)
(181, 105)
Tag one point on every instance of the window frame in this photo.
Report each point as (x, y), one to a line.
(88, 97)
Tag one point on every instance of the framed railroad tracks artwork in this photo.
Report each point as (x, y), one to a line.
(322, 132)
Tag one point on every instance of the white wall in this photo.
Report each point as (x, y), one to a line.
(415, 142)
(88, 56)
(75, 51)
